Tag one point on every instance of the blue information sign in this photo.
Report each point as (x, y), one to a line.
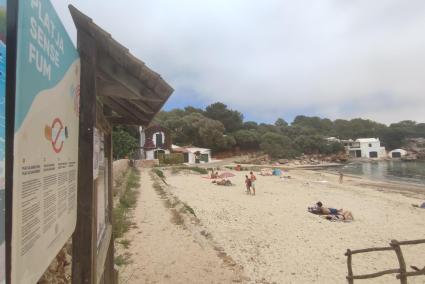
(2, 135)
(45, 140)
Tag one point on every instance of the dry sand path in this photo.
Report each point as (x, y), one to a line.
(162, 252)
(276, 241)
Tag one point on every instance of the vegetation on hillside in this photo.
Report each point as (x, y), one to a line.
(222, 129)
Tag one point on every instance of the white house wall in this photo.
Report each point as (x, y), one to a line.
(154, 138)
(150, 155)
(363, 146)
(376, 147)
(142, 142)
(192, 159)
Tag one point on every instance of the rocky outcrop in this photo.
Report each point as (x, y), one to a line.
(415, 148)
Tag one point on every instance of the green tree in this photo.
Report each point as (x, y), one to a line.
(314, 124)
(211, 133)
(248, 125)
(231, 119)
(123, 144)
(280, 122)
(247, 139)
(309, 144)
(229, 142)
(332, 148)
(277, 146)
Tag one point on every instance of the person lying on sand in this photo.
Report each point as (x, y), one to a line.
(224, 182)
(417, 206)
(327, 210)
(343, 216)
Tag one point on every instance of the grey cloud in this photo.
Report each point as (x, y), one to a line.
(274, 58)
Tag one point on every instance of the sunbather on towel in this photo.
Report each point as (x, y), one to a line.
(327, 210)
(422, 205)
(225, 182)
(344, 216)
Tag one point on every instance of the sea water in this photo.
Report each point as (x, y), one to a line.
(394, 170)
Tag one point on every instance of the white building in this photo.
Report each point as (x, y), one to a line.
(153, 141)
(193, 155)
(365, 148)
(397, 153)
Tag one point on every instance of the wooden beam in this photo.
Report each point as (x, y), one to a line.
(109, 265)
(135, 108)
(126, 121)
(141, 106)
(124, 111)
(116, 90)
(130, 81)
(84, 237)
(349, 267)
(402, 263)
(376, 274)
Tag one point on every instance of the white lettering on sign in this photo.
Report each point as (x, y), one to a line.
(40, 62)
(47, 45)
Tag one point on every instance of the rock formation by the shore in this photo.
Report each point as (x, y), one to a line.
(415, 148)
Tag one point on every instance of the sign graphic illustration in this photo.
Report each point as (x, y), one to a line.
(57, 133)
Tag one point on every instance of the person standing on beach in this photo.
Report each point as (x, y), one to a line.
(248, 184)
(341, 177)
(253, 179)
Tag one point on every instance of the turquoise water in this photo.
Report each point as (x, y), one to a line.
(399, 171)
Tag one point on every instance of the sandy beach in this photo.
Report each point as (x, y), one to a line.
(275, 240)
(161, 251)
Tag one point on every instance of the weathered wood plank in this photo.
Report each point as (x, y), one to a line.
(349, 266)
(84, 248)
(135, 84)
(376, 274)
(134, 109)
(123, 120)
(109, 265)
(414, 242)
(402, 263)
(370, 250)
(413, 273)
(124, 111)
(111, 88)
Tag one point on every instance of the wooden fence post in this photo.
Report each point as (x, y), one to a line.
(84, 238)
(349, 267)
(397, 249)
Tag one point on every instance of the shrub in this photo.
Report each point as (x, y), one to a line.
(171, 159)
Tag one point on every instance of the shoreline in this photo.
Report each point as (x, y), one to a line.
(392, 185)
(395, 186)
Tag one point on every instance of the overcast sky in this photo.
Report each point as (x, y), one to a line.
(278, 58)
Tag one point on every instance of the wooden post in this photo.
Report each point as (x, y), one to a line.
(109, 265)
(84, 238)
(349, 267)
(397, 249)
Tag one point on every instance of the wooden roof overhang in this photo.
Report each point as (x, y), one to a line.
(133, 92)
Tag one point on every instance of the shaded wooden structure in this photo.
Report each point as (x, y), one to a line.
(116, 88)
(401, 272)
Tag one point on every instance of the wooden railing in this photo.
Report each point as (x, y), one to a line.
(401, 272)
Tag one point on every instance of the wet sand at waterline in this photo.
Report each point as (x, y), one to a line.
(275, 240)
